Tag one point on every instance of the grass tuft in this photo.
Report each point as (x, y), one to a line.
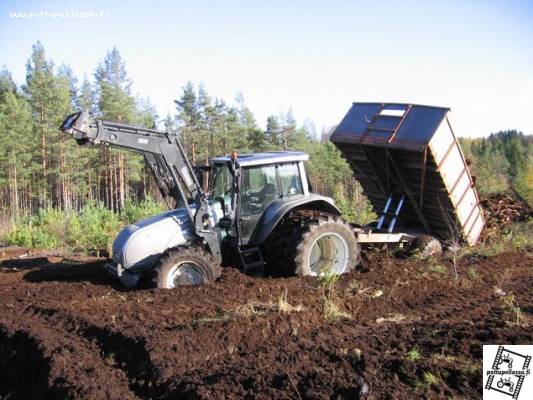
(414, 354)
(430, 379)
(285, 307)
(332, 311)
(509, 302)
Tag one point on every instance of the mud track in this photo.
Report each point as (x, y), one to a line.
(67, 330)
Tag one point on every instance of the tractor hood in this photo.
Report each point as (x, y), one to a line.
(139, 245)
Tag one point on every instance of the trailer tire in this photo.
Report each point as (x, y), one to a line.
(427, 246)
(310, 243)
(186, 266)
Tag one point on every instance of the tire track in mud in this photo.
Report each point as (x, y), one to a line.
(196, 343)
(119, 352)
(21, 356)
(68, 366)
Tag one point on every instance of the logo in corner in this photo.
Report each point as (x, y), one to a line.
(510, 368)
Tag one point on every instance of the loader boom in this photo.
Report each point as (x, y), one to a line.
(166, 158)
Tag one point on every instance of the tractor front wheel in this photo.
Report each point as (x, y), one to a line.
(186, 266)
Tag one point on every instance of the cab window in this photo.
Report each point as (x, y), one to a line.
(259, 188)
(289, 176)
(221, 184)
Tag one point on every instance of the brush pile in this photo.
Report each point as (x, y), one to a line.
(502, 209)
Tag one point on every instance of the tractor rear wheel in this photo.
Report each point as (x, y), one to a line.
(186, 266)
(311, 243)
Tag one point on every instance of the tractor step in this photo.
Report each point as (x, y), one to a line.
(252, 260)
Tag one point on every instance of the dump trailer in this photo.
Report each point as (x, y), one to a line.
(412, 170)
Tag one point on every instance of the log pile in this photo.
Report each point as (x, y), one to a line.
(501, 209)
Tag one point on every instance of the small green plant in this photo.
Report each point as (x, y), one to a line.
(327, 280)
(332, 312)
(414, 354)
(437, 268)
(430, 379)
(110, 359)
(20, 234)
(471, 273)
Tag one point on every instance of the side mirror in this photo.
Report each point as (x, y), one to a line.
(225, 223)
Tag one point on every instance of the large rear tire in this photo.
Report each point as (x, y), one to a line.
(186, 266)
(311, 243)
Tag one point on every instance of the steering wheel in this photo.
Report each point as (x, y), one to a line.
(268, 190)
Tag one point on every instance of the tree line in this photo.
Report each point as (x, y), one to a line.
(42, 168)
(501, 160)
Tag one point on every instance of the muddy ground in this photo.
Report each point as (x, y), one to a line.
(409, 330)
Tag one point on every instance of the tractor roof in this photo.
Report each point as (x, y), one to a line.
(269, 157)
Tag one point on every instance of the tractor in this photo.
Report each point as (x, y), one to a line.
(254, 211)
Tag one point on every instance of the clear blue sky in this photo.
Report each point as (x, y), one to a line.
(314, 56)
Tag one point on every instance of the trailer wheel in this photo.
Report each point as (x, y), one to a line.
(427, 246)
(310, 243)
(186, 266)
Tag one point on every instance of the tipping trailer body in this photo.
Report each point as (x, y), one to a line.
(407, 155)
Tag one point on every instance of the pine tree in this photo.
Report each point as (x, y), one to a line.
(50, 99)
(288, 130)
(15, 151)
(190, 118)
(6, 82)
(115, 102)
(273, 131)
(87, 98)
(40, 88)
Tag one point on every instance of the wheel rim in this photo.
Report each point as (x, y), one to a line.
(185, 273)
(329, 254)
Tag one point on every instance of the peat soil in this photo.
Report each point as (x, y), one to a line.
(397, 329)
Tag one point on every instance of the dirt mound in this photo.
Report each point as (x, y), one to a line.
(501, 209)
(403, 329)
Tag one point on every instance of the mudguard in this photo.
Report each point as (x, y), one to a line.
(279, 208)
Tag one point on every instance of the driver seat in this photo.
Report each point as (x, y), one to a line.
(267, 194)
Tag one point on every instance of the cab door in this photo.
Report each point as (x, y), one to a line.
(259, 188)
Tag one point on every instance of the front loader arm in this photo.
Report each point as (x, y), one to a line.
(164, 155)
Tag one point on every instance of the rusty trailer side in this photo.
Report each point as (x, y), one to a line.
(412, 169)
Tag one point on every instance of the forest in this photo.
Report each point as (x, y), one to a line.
(54, 193)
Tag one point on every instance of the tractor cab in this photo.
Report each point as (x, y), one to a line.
(247, 185)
